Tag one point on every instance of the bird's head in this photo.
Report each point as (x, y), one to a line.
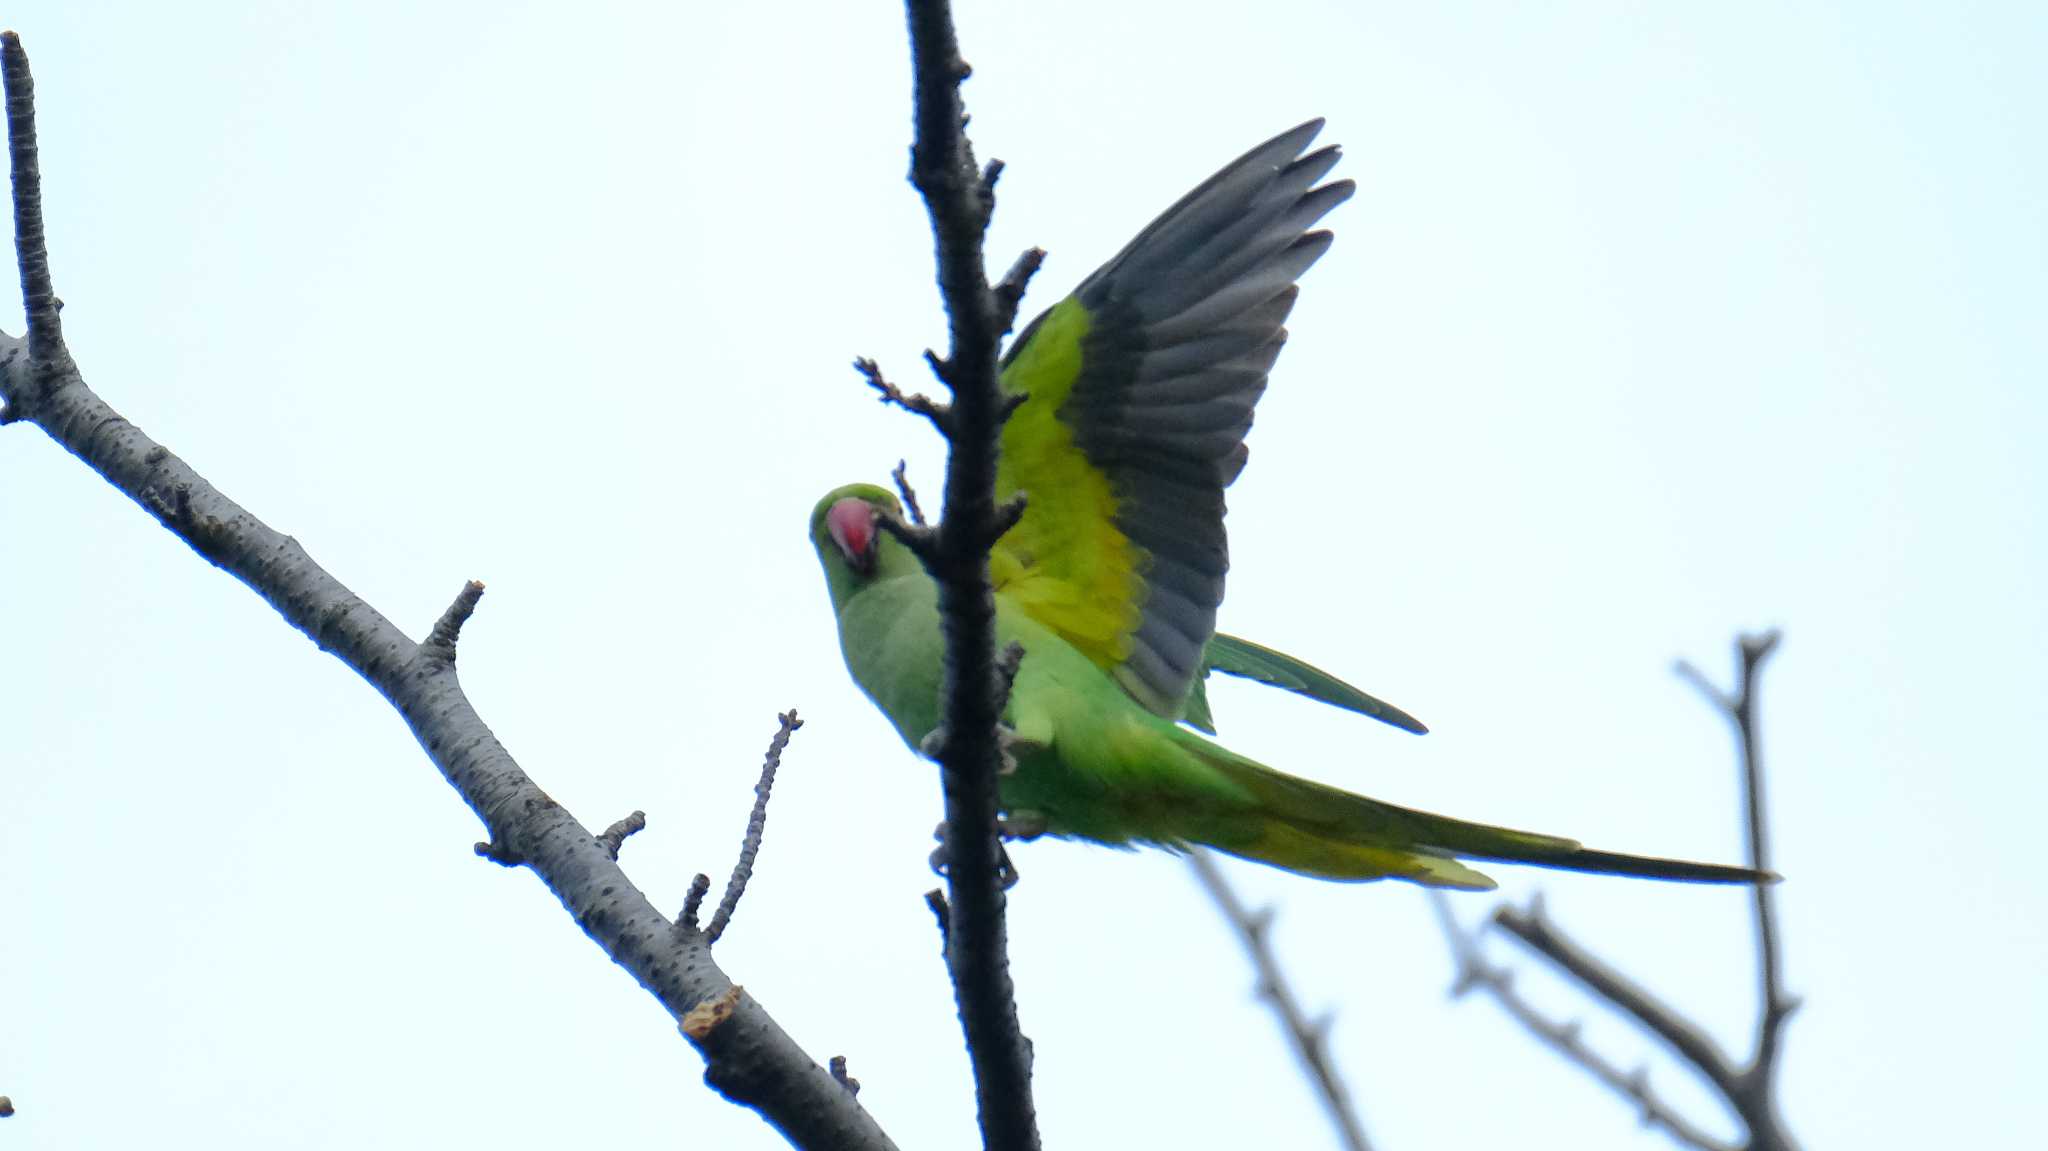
(853, 547)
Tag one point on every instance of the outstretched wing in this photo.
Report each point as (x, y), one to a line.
(1141, 389)
(1242, 657)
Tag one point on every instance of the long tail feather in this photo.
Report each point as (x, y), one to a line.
(1321, 830)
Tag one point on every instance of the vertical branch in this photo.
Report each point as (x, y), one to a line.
(1307, 1036)
(1777, 1005)
(959, 199)
(1754, 1094)
(38, 296)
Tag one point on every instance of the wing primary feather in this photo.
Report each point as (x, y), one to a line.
(1198, 387)
(1256, 286)
(1175, 419)
(1146, 380)
(1215, 200)
(1243, 246)
(1241, 210)
(1249, 331)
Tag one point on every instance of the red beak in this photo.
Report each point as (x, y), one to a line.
(852, 523)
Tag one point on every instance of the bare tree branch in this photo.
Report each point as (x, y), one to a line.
(916, 403)
(693, 902)
(1751, 652)
(1474, 971)
(613, 839)
(901, 474)
(1750, 1090)
(440, 642)
(38, 296)
(1755, 1092)
(1686, 1038)
(960, 200)
(1010, 289)
(942, 914)
(748, 1057)
(757, 823)
(1307, 1037)
(838, 1068)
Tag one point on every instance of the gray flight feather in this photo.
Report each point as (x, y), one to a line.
(1184, 324)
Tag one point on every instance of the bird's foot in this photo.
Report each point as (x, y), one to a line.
(1009, 745)
(1006, 872)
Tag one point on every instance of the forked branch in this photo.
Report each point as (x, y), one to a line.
(748, 1057)
(1750, 1089)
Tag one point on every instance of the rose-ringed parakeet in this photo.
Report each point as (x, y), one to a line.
(1141, 387)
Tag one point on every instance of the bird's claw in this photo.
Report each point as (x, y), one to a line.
(1006, 872)
(1008, 746)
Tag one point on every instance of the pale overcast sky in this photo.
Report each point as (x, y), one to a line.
(1648, 324)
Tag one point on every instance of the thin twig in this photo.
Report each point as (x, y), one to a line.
(1751, 652)
(1755, 1094)
(1749, 1090)
(921, 539)
(916, 402)
(1686, 1038)
(748, 1057)
(960, 200)
(1010, 510)
(901, 474)
(1007, 666)
(440, 643)
(693, 902)
(1307, 1037)
(943, 914)
(614, 838)
(1474, 971)
(1010, 289)
(757, 822)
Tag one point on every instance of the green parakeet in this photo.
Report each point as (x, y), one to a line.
(1141, 387)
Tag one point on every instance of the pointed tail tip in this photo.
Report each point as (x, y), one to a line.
(1651, 867)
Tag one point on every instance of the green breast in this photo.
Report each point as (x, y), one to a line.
(889, 634)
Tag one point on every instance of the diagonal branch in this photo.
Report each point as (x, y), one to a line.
(757, 823)
(1475, 971)
(748, 1057)
(1750, 1090)
(1308, 1037)
(959, 200)
(1686, 1038)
